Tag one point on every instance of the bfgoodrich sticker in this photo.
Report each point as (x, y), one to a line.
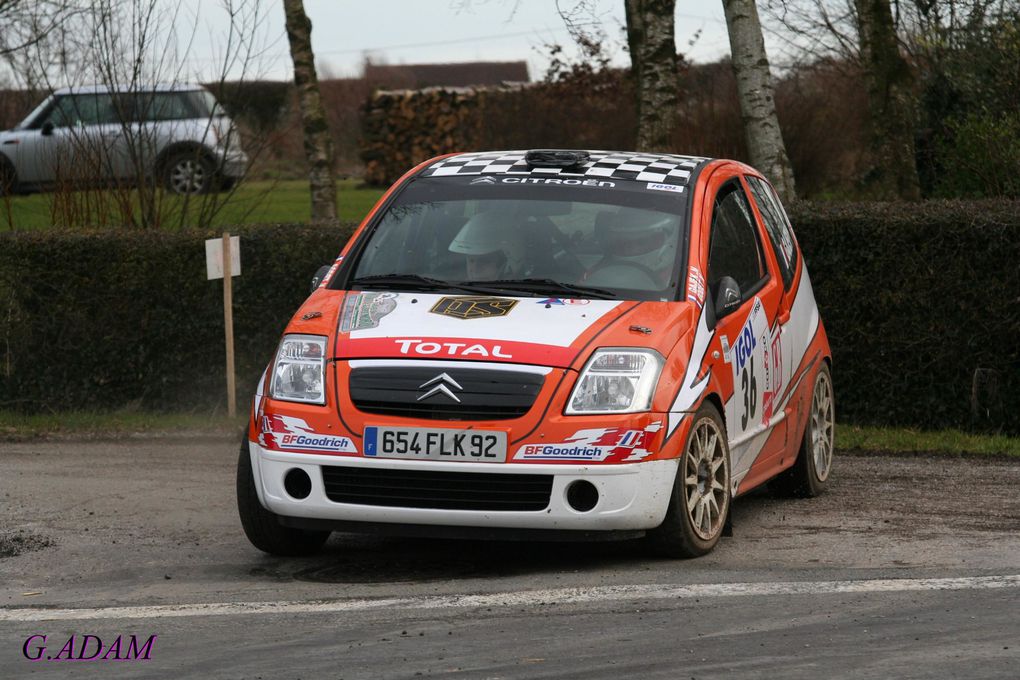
(596, 444)
(294, 434)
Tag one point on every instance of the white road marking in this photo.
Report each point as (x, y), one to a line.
(519, 599)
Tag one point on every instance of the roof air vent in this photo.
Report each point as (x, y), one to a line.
(556, 158)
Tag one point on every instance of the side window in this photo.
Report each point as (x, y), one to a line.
(734, 249)
(82, 109)
(128, 106)
(777, 224)
(61, 114)
(161, 106)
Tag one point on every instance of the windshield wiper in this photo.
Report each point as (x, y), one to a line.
(552, 286)
(421, 283)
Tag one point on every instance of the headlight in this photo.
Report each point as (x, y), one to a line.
(299, 369)
(617, 380)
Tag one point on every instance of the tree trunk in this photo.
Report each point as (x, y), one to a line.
(654, 69)
(318, 142)
(757, 104)
(891, 102)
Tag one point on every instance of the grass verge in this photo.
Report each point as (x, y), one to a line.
(16, 427)
(257, 202)
(909, 440)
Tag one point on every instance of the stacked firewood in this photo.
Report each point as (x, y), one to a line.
(401, 128)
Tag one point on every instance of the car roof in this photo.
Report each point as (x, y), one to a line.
(102, 89)
(657, 168)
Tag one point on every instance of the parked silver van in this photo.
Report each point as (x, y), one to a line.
(177, 135)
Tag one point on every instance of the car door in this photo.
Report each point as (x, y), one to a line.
(41, 149)
(798, 314)
(71, 142)
(749, 334)
(785, 260)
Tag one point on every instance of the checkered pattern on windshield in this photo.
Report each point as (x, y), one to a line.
(658, 168)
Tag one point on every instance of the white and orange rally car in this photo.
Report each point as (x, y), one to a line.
(546, 344)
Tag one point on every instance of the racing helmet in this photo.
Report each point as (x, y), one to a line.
(488, 233)
(643, 237)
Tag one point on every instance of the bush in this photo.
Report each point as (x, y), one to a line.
(118, 319)
(980, 156)
(921, 305)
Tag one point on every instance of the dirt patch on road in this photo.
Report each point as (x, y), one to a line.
(13, 543)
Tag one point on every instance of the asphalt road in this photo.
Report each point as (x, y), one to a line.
(908, 568)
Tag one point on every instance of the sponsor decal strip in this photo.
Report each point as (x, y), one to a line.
(287, 433)
(542, 180)
(595, 444)
(364, 310)
(457, 348)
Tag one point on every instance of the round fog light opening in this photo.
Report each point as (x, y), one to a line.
(582, 495)
(297, 483)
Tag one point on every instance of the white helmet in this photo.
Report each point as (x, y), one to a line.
(491, 232)
(641, 236)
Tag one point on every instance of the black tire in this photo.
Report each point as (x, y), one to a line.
(261, 526)
(809, 474)
(189, 173)
(692, 532)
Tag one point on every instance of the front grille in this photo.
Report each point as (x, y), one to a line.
(437, 490)
(483, 394)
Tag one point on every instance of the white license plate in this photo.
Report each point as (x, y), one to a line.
(424, 443)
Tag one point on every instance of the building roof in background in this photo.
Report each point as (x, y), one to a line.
(464, 74)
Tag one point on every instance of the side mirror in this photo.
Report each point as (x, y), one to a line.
(47, 129)
(727, 297)
(319, 276)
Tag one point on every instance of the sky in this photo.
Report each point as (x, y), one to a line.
(346, 32)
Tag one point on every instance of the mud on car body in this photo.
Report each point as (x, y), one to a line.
(546, 344)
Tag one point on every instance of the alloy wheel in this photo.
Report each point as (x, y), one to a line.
(705, 478)
(822, 426)
(187, 177)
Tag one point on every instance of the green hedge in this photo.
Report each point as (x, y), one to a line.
(127, 319)
(916, 299)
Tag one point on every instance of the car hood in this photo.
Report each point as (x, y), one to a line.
(531, 330)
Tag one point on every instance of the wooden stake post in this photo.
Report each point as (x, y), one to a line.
(223, 261)
(228, 323)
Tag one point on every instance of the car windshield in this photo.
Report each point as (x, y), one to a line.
(612, 240)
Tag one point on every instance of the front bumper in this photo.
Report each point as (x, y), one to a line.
(632, 496)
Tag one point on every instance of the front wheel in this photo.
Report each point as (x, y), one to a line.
(188, 173)
(810, 472)
(261, 526)
(701, 493)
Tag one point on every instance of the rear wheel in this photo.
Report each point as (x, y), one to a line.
(810, 472)
(261, 526)
(701, 493)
